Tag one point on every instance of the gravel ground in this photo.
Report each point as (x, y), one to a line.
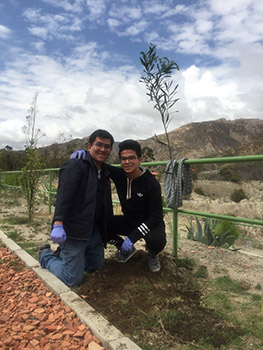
(33, 317)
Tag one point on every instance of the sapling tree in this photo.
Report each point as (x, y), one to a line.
(159, 84)
(162, 92)
(31, 172)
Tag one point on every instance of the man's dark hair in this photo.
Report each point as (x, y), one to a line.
(130, 144)
(103, 134)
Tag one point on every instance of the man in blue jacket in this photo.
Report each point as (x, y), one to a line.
(140, 197)
(83, 209)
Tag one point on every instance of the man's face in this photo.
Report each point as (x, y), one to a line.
(130, 162)
(99, 150)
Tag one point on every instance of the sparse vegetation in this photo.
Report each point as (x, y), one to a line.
(237, 195)
(199, 190)
(16, 220)
(15, 235)
(229, 174)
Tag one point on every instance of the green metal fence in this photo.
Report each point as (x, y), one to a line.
(50, 192)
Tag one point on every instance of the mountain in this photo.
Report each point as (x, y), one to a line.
(215, 138)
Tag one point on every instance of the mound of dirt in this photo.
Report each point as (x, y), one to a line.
(160, 310)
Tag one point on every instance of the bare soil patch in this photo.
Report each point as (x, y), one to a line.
(160, 310)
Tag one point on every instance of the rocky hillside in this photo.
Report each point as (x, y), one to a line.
(216, 138)
(195, 140)
(213, 138)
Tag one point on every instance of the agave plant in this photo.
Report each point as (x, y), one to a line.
(225, 234)
(217, 233)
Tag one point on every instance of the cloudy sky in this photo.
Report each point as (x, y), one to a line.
(82, 58)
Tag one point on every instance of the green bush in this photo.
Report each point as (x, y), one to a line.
(198, 190)
(238, 195)
(229, 174)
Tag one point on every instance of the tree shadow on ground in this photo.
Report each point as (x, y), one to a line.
(160, 310)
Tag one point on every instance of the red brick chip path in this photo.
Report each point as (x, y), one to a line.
(33, 317)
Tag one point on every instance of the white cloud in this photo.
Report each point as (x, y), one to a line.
(154, 7)
(179, 9)
(125, 13)
(81, 91)
(79, 95)
(39, 45)
(4, 32)
(50, 26)
(152, 37)
(113, 23)
(211, 94)
(39, 31)
(135, 29)
(73, 99)
(17, 140)
(96, 8)
(75, 6)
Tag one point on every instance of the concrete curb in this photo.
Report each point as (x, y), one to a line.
(109, 335)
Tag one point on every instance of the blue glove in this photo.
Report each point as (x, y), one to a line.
(127, 245)
(79, 154)
(58, 234)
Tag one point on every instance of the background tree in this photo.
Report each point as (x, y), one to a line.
(11, 160)
(147, 154)
(31, 172)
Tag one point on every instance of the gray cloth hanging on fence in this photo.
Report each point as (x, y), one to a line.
(177, 185)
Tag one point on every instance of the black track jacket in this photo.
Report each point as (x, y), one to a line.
(140, 199)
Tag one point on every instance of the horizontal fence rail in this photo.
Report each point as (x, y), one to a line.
(48, 190)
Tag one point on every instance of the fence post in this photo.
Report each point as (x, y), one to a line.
(5, 181)
(14, 186)
(175, 232)
(49, 192)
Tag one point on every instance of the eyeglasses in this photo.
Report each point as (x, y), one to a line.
(130, 159)
(103, 145)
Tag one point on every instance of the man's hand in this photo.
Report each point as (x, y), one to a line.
(79, 154)
(127, 245)
(58, 234)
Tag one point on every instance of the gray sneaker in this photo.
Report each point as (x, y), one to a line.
(154, 263)
(123, 258)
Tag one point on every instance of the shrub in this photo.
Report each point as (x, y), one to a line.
(238, 195)
(199, 190)
(229, 174)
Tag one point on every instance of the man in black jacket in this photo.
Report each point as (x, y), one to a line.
(83, 209)
(140, 197)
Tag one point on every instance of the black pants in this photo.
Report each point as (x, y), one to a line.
(121, 225)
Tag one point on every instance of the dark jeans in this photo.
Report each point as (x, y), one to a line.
(75, 257)
(120, 225)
